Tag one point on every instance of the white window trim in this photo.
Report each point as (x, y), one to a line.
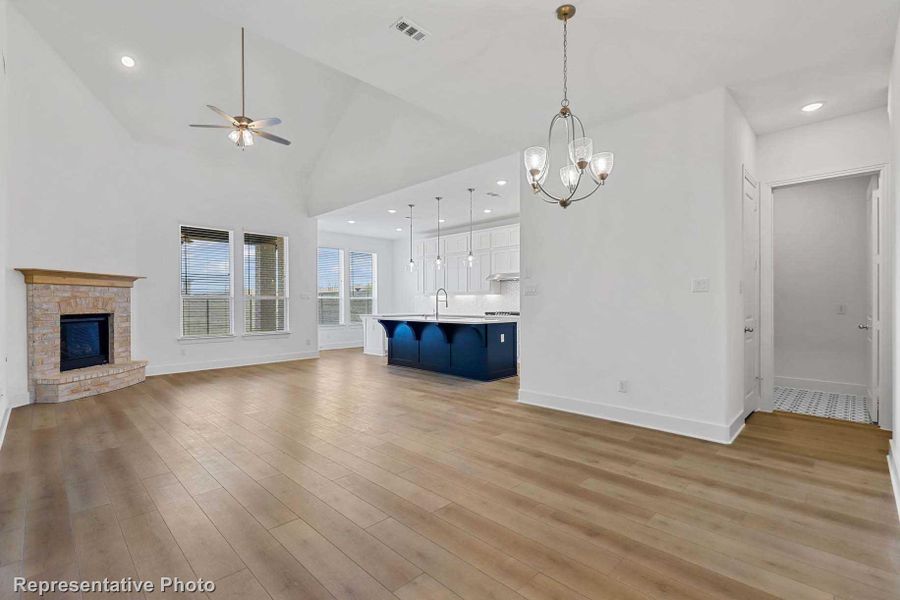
(342, 293)
(349, 281)
(287, 287)
(200, 338)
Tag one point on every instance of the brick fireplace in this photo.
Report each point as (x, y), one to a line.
(100, 306)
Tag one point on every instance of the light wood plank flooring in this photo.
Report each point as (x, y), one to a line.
(344, 478)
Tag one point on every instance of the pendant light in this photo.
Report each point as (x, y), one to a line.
(470, 259)
(412, 263)
(437, 261)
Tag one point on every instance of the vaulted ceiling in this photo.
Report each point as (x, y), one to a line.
(370, 111)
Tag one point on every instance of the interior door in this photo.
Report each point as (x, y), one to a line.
(750, 292)
(872, 324)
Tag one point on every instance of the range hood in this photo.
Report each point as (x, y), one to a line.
(502, 277)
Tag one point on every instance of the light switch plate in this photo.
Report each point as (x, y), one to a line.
(700, 285)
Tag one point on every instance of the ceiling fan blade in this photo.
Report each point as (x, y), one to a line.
(221, 112)
(269, 136)
(264, 123)
(212, 126)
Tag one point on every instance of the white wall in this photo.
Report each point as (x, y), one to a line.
(821, 263)
(4, 220)
(833, 146)
(351, 335)
(84, 196)
(613, 278)
(894, 145)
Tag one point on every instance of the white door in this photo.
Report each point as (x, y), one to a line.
(872, 324)
(750, 291)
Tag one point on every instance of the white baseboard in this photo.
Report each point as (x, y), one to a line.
(893, 459)
(819, 385)
(714, 432)
(154, 369)
(12, 401)
(340, 345)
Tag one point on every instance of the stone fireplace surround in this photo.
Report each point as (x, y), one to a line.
(54, 293)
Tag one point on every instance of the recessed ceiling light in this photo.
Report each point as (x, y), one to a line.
(351, 222)
(487, 210)
(501, 182)
(392, 210)
(399, 229)
(128, 61)
(442, 220)
(813, 106)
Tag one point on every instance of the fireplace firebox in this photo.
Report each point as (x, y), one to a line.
(83, 341)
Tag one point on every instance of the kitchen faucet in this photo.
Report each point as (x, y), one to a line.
(437, 299)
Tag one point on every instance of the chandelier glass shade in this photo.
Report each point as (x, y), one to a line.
(580, 158)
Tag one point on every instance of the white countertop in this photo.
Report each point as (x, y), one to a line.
(464, 319)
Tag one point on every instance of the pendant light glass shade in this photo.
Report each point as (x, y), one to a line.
(412, 263)
(580, 151)
(535, 161)
(569, 176)
(437, 261)
(601, 166)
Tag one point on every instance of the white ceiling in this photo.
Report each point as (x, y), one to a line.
(372, 218)
(370, 111)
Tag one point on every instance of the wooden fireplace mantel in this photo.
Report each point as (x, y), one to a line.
(48, 276)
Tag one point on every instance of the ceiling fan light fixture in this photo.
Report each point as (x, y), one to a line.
(243, 128)
(127, 61)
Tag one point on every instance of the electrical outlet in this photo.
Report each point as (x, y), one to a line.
(623, 386)
(700, 285)
(842, 309)
(531, 290)
(308, 342)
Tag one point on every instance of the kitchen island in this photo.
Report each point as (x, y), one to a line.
(482, 348)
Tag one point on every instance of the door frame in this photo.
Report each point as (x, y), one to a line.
(749, 177)
(767, 284)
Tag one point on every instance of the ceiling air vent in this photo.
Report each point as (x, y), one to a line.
(410, 29)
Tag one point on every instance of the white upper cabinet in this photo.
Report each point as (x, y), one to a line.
(496, 250)
(482, 240)
(456, 243)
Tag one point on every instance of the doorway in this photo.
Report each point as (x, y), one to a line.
(826, 297)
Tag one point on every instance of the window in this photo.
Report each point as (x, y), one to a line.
(362, 285)
(265, 283)
(330, 271)
(206, 289)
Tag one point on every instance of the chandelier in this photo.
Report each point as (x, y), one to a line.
(581, 158)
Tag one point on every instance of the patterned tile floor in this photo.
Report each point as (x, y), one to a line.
(845, 407)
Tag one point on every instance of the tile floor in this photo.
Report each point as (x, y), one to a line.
(845, 407)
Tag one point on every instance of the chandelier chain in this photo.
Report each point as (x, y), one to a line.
(565, 99)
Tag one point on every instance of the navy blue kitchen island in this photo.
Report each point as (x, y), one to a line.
(475, 348)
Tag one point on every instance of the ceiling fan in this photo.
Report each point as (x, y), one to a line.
(243, 129)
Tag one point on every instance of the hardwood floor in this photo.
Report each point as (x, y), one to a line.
(344, 478)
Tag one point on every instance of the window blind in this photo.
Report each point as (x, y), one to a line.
(206, 289)
(265, 283)
(362, 285)
(330, 274)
